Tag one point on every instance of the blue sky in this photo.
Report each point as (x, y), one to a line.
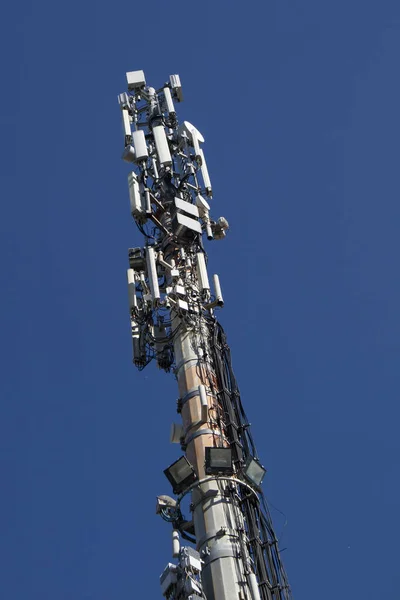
(298, 103)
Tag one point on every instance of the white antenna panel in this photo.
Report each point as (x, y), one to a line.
(160, 139)
(139, 143)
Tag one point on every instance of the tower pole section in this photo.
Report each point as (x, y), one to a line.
(217, 526)
(173, 321)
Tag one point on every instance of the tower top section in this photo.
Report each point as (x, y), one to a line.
(170, 191)
(169, 154)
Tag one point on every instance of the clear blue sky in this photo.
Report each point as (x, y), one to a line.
(299, 105)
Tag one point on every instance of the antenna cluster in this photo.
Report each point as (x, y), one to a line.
(168, 187)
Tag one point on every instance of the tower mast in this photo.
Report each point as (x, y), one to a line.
(172, 309)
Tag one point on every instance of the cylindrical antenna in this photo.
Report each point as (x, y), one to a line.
(152, 273)
(204, 172)
(203, 403)
(131, 289)
(168, 101)
(155, 170)
(217, 291)
(253, 585)
(126, 126)
(147, 201)
(202, 272)
(176, 544)
(196, 145)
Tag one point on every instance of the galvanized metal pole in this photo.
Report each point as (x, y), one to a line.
(218, 530)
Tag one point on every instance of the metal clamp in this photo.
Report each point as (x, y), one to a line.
(186, 362)
(202, 432)
(217, 479)
(217, 551)
(191, 394)
(217, 533)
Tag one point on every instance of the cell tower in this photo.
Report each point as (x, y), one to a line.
(172, 310)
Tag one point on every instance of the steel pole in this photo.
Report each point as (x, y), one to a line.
(219, 540)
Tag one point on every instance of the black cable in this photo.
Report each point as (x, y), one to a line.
(263, 544)
(142, 231)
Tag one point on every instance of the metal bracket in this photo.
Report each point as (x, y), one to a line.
(219, 551)
(201, 432)
(218, 534)
(191, 394)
